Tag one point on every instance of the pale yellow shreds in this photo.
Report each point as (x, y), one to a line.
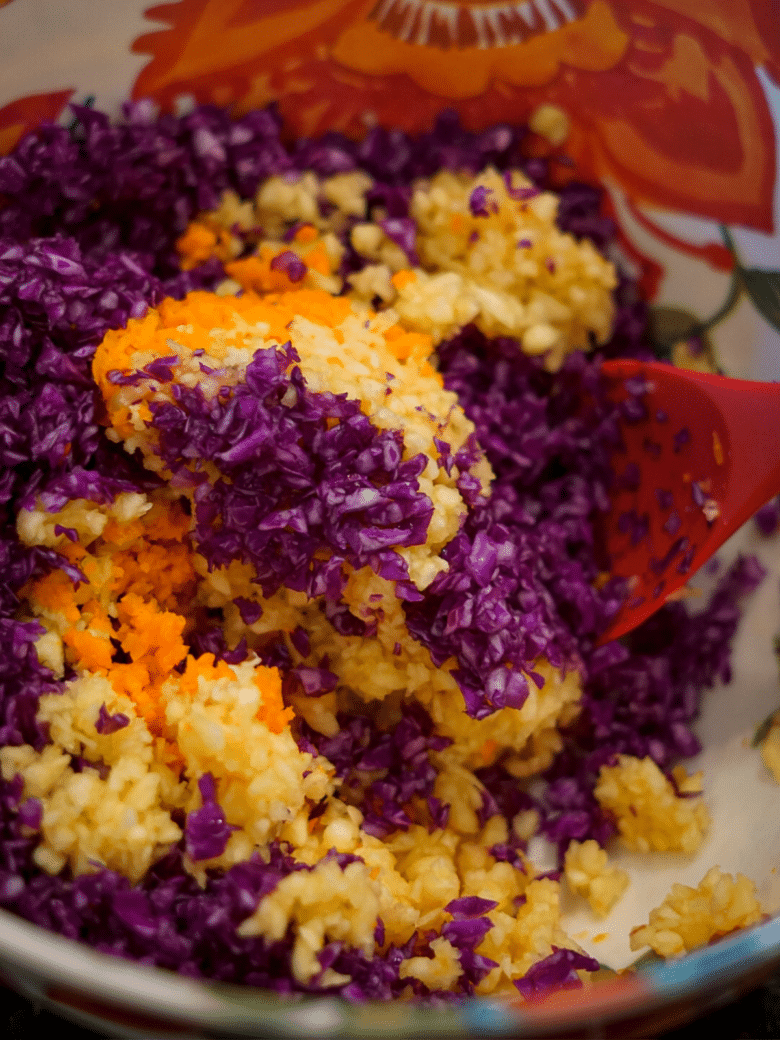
(691, 917)
(520, 939)
(115, 812)
(438, 972)
(326, 904)
(526, 739)
(587, 871)
(649, 813)
(506, 267)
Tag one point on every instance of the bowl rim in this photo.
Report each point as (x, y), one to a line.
(67, 969)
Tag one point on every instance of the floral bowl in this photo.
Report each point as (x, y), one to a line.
(675, 109)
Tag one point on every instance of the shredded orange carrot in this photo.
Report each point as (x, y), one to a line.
(203, 667)
(317, 259)
(122, 534)
(306, 233)
(272, 711)
(488, 750)
(416, 345)
(151, 635)
(402, 278)
(316, 305)
(118, 347)
(133, 680)
(72, 551)
(196, 245)
(427, 369)
(54, 592)
(256, 273)
(167, 521)
(98, 618)
(202, 240)
(162, 572)
(92, 652)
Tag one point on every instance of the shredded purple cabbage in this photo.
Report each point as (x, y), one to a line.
(108, 723)
(768, 517)
(206, 831)
(522, 569)
(480, 201)
(557, 970)
(88, 227)
(293, 486)
(291, 264)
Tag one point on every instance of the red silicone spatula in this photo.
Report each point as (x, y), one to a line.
(702, 454)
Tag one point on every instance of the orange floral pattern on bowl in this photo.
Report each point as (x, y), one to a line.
(645, 84)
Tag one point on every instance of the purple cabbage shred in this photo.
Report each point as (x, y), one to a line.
(107, 723)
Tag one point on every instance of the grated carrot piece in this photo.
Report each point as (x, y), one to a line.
(272, 711)
(117, 348)
(256, 273)
(196, 245)
(317, 259)
(98, 618)
(132, 679)
(205, 667)
(122, 534)
(488, 750)
(203, 239)
(403, 278)
(91, 652)
(167, 521)
(74, 552)
(306, 233)
(427, 369)
(163, 572)
(54, 592)
(151, 635)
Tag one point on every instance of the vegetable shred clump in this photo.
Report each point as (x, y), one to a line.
(302, 450)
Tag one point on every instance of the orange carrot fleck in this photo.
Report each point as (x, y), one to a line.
(272, 711)
(317, 259)
(151, 635)
(488, 750)
(99, 621)
(205, 667)
(306, 233)
(55, 592)
(403, 278)
(90, 651)
(196, 245)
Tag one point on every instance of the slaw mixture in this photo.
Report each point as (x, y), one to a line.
(302, 446)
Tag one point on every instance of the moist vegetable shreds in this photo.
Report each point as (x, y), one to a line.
(301, 448)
